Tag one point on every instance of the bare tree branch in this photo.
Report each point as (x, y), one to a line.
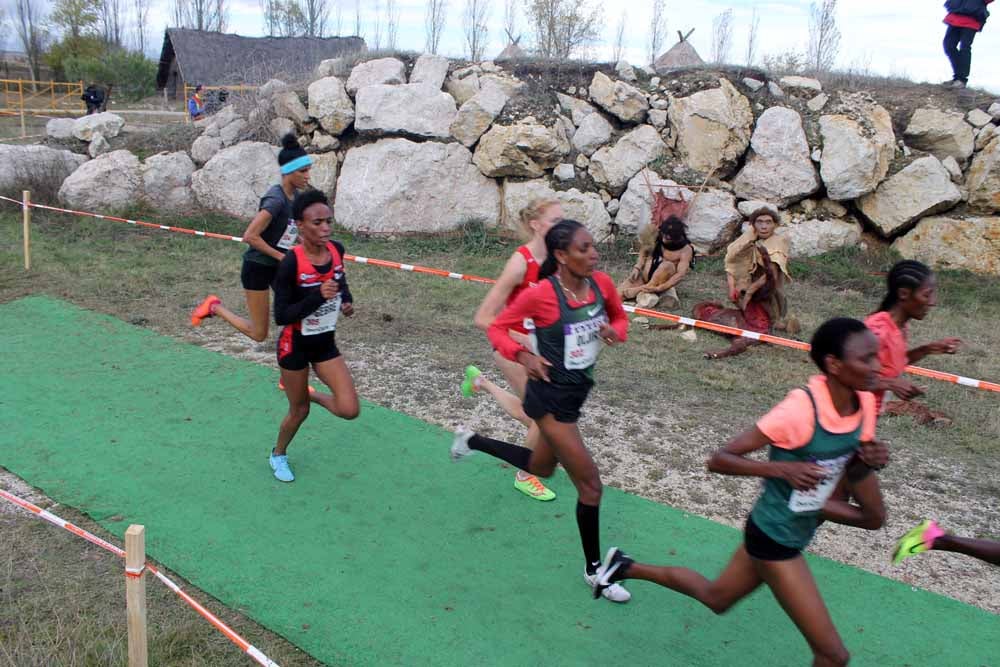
(140, 9)
(434, 23)
(752, 38)
(212, 15)
(657, 29)
(824, 35)
(317, 13)
(619, 47)
(474, 25)
(510, 21)
(722, 36)
(29, 21)
(563, 27)
(391, 24)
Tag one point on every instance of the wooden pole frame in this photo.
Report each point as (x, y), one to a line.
(26, 216)
(135, 595)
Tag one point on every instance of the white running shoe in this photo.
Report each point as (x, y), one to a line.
(460, 444)
(613, 592)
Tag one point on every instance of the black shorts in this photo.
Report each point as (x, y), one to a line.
(296, 352)
(762, 547)
(257, 276)
(562, 401)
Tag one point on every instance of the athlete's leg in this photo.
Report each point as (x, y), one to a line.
(335, 374)
(259, 306)
(297, 391)
(795, 589)
(738, 580)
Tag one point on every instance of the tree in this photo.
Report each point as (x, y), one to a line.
(29, 23)
(434, 15)
(130, 73)
(619, 48)
(562, 27)
(477, 13)
(316, 14)
(377, 27)
(657, 29)
(75, 18)
(391, 24)
(510, 21)
(357, 18)
(112, 22)
(210, 15)
(338, 13)
(752, 38)
(141, 10)
(722, 36)
(824, 35)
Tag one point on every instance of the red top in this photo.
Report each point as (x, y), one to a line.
(530, 274)
(541, 305)
(892, 342)
(791, 424)
(963, 21)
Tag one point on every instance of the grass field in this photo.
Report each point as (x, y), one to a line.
(659, 409)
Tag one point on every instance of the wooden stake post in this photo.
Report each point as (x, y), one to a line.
(135, 594)
(26, 213)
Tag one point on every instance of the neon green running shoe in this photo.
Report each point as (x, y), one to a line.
(532, 487)
(918, 540)
(469, 384)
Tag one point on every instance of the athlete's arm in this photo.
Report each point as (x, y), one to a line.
(539, 304)
(253, 231)
(345, 291)
(731, 460)
(617, 317)
(869, 513)
(511, 276)
(287, 311)
(943, 346)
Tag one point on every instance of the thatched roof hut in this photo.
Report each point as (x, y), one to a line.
(217, 59)
(680, 55)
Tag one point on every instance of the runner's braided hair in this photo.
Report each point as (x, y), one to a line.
(559, 237)
(909, 274)
(831, 337)
(305, 199)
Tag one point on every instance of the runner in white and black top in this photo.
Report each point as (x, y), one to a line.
(271, 233)
(310, 293)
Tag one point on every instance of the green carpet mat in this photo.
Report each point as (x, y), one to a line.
(383, 552)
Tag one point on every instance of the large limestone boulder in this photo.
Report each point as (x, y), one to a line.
(924, 187)
(779, 168)
(593, 132)
(815, 237)
(462, 88)
(166, 181)
(60, 128)
(619, 99)
(98, 145)
(942, 133)
(413, 109)
(510, 84)
(35, 167)
(288, 105)
(713, 128)
(231, 133)
(385, 71)
(613, 166)
(338, 67)
(585, 207)
(802, 83)
(478, 113)
(330, 104)
(430, 69)
(204, 147)
(983, 179)
(856, 152)
(712, 218)
(323, 175)
(106, 123)
(576, 108)
(972, 244)
(111, 182)
(397, 185)
(271, 88)
(522, 149)
(234, 180)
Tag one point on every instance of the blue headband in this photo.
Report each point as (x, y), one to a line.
(296, 164)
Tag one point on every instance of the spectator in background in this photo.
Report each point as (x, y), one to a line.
(965, 18)
(93, 97)
(196, 107)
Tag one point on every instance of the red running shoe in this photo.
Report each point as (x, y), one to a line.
(204, 309)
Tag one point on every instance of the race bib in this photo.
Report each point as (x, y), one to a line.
(529, 326)
(291, 234)
(814, 499)
(324, 319)
(581, 343)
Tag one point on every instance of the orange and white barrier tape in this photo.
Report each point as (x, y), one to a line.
(701, 324)
(230, 634)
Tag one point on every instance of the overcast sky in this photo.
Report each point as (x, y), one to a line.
(891, 37)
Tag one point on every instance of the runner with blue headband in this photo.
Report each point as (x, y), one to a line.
(271, 234)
